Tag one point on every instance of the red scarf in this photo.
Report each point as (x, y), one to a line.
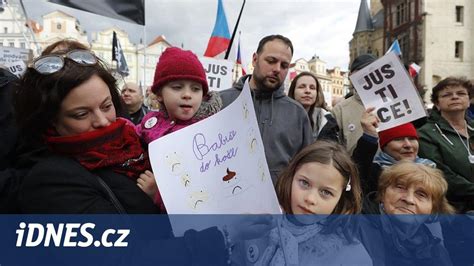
(116, 146)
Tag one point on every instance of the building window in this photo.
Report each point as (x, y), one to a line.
(404, 42)
(459, 14)
(402, 13)
(58, 26)
(22, 45)
(5, 29)
(458, 49)
(1, 42)
(11, 43)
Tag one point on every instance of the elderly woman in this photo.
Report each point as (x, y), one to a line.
(306, 90)
(446, 139)
(408, 198)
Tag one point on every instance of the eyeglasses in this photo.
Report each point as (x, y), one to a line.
(451, 94)
(50, 64)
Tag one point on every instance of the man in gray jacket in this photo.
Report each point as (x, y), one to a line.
(284, 124)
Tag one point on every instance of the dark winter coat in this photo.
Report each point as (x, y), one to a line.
(17, 155)
(137, 117)
(363, 156)
(61, 185)
(324, 126)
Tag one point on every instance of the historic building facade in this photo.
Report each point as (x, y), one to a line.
(435, 34)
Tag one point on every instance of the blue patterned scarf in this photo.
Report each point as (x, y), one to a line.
(384, 160)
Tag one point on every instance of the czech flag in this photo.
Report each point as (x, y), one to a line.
(239, 59)
(414, 69)
(220, 38)
(395, 47)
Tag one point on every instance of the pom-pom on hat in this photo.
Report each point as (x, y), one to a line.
(175, 64)
(401, 131)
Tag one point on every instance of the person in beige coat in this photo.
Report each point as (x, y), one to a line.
(349, 112)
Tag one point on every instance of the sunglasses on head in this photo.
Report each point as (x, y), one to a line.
(52, 63)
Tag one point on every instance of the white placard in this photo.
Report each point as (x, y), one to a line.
(218, 72)
(11, 54)
(16, 68)
(386, 85)
(216, 166)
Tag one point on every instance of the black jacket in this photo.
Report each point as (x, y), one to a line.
(61, 185)
(363, 156)
(137, 117)
(9, 176)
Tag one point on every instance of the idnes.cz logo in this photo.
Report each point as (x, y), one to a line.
(68, 235)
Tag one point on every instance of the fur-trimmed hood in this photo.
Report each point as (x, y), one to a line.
(211, 104)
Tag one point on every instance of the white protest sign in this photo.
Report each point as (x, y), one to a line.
(386, 85)
(10, 55)
(218, 72)
(16, 68)
(216, 166)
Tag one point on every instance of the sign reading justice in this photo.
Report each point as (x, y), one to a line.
(386, 85)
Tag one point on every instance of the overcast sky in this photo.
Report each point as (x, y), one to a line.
(321, 27)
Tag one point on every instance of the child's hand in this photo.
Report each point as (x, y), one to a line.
(147, 183)
(369, 122)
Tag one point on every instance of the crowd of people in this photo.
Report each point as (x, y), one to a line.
(73, 143)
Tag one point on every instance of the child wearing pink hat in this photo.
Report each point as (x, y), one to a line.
(181, 87)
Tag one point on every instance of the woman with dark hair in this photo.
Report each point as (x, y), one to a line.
(64, 45)
(69, 101)
(446, 139)
(17, 154)
(306, 89)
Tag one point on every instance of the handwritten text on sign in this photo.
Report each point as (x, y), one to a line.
(215, 166)
(201, 148)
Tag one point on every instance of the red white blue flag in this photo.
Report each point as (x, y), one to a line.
(239, 59)
(414, 69)
(220, 38)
